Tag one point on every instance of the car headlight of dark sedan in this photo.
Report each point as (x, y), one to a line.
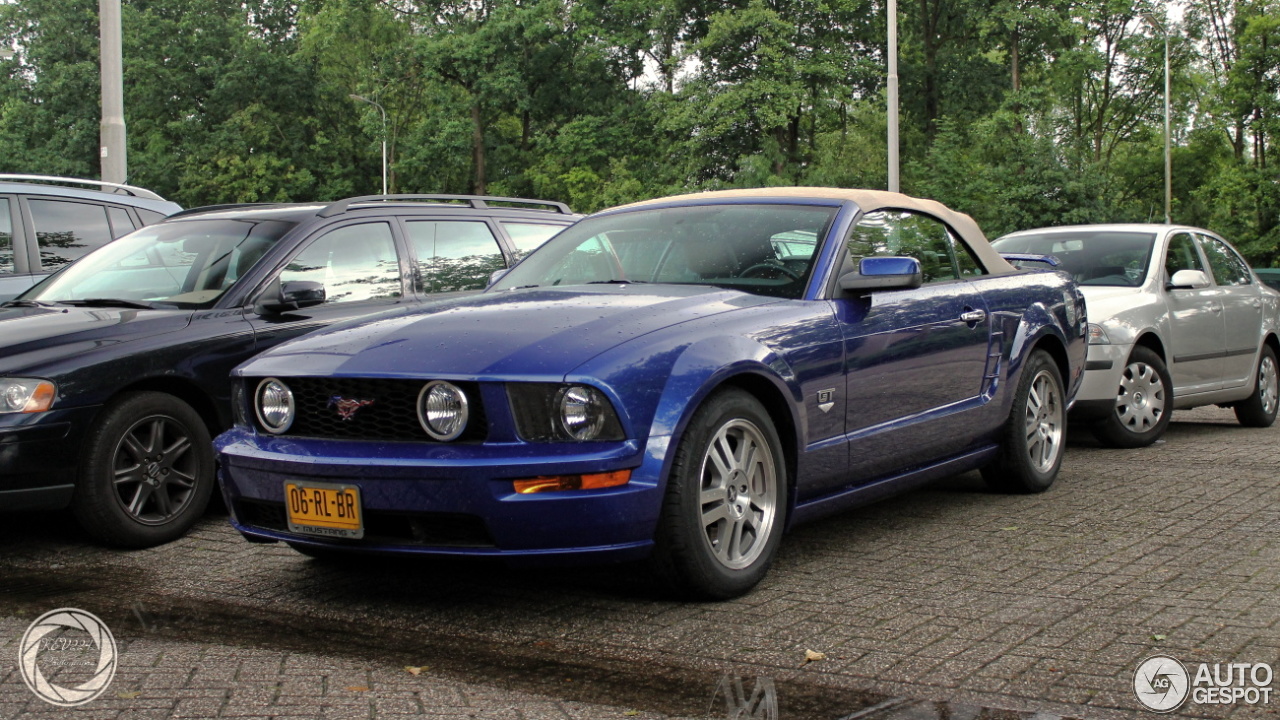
(26, 395)
(548, 412)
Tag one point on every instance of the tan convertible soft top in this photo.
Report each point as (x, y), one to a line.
(868, 201)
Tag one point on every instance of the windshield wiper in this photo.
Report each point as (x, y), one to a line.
(109, 302)
(25, 303)
(617, 282)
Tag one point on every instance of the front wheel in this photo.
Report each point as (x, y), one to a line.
(1259, 409)
(1144, 401)
(1031, 453)
(147, 473)
(725, 503)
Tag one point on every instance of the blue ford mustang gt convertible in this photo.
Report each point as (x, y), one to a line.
(677, 380)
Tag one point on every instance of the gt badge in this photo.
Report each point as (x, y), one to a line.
(826, 399)
(346, 407)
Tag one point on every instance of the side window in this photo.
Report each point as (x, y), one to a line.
(1181, 255)
(121, 223)
(529, 236)
(454, 255)
(1228, 268)
(150, 217)
(901, 233)
(67, 230)
(6, 238)
(355, 262)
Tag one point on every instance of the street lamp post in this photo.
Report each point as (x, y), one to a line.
(892, 19)
(1168, 161)
(383, 110)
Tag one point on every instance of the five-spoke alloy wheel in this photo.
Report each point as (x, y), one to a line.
(1031, 453)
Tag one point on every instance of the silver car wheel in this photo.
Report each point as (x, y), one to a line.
(1268, 384)
(738, 494)
(1044, 422)
(1140, 402)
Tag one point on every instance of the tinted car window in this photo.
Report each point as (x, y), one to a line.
(66, 231)
(528, 236)
(1228, 268)
(189, 264)
(354, 262)
(728, 246)
(454, 255)
(121, 223)
(6, 239)
(1092, 257)
(896, 232)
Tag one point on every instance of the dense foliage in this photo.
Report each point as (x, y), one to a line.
(1020, 112)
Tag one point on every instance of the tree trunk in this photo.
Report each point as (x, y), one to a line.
(477, 149)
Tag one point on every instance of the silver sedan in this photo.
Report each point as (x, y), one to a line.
(1177, 319)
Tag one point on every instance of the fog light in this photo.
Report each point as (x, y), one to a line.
(555, 483)
(274, 406)
(442, 410)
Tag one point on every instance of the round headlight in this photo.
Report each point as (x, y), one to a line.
(442, 410)
(274, 406)
(582, 412)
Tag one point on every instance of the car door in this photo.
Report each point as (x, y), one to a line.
(361, 267)
(1241, 310)
(1196, 325)
(915, 358)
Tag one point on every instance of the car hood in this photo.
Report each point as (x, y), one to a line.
(538, 333)
(31, 336)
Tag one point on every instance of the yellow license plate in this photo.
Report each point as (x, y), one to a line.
(324, 509)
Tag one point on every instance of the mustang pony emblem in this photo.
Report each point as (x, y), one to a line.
(347, 408)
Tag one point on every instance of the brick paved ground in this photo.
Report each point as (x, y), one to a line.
(1033, 604)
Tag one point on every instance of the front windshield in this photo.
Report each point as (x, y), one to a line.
(189, 263)
(1092, 257)
(764, 249)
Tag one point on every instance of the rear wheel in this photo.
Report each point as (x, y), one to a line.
(1144, 401)
(725, 503)
(1259, 409)
(1031, 454)
(148, 471)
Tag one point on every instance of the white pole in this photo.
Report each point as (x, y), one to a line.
(893, 95)
(112, 131)
(1168, 159)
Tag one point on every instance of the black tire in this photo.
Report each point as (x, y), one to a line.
(1035, 433)
(1144, 403)
(147, 471)
(699, 547)
(1259, 409)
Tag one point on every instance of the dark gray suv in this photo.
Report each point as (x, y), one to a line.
(46, 222)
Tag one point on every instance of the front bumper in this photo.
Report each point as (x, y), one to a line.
(453, 499)
(1103, 366)
(39, 457)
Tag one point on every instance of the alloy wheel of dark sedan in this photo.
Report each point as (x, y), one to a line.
(148, 474)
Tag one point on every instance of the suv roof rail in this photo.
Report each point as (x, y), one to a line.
(119, 188)
(224, 206)
(475, 201)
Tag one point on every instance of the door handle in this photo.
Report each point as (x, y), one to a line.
(973, 316)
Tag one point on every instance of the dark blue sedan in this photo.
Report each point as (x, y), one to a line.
(678, 380)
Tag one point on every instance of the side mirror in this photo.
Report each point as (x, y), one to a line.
(883, 273)
(1188, 280)
(293, 295)
(495, 276)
